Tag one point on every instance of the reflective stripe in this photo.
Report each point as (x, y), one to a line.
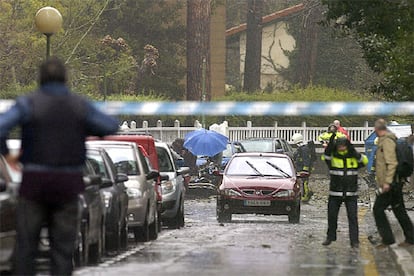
(332, 193)
(327, 157)
(335, 172)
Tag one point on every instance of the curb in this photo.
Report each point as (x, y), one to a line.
(404, 260)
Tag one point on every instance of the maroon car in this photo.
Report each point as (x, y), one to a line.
(259, 183)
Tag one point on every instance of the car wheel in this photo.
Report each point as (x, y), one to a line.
(113, 242)
(177, 221)
(294, 215)
(82, 252)
(124, 235)
(181, 219)
(224, 217)
(141, 233)
(153, 228)
(95, 252)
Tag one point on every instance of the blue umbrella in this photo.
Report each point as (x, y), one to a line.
(205, 142)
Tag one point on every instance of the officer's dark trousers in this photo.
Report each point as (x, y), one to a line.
(334, 203)
(393, 198)
(62, 222)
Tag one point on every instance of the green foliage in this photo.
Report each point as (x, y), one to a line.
(385, 32)
(95, 68)
(309, 94)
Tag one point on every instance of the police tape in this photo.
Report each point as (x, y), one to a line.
(248, 108)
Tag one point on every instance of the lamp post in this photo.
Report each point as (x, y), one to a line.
(48, 21)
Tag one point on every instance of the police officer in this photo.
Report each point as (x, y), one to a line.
(343, 162)
(302, 159)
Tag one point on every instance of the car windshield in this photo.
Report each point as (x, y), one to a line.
(260, 165)
(98, 165)
(232, 149)
(258, 145)
(164, 160)
(124, 160)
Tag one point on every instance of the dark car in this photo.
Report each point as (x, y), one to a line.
(142, 197)
(277, 145)
(259, 183)
(91, 235)
(115, 198)
(8, 191)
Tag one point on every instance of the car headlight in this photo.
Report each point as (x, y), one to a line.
(134, 193)
(285, 193)
(231, 192)
(168, 187)
(107, 196)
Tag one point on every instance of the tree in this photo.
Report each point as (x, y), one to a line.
(158, 23)
(253, 59)
(198, 49)
(384, 29)
(308, 42)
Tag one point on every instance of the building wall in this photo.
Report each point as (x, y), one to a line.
(275, 40)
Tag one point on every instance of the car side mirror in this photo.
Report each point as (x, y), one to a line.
(164, 177)
(3, 185)
(91, 180)
(121, 177)
(152, 175)
(183, 170)
(279, 151)
(106, 182)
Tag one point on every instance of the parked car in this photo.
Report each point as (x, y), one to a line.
(259, 183)
(146, 143)
(173, 187)
(115, 198)
(90, 245)
(277, 145)
(142, 199)
(232, 148)
(8, 192)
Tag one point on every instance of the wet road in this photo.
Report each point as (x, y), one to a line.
(251, 245)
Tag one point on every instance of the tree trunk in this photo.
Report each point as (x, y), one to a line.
(198, 49)
(308, 42)
(253, 58)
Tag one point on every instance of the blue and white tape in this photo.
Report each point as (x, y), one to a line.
(257, 108)
(249, 108)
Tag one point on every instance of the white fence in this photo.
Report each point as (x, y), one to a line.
(169, 134)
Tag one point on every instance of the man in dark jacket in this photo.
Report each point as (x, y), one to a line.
(343, 162)
(54, 125)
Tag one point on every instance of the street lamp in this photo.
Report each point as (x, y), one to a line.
(48, 21)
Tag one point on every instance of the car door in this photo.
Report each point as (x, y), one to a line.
(7, 215)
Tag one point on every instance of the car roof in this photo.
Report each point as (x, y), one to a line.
(262, 138)
(255, 154)
(110, 143)
(161, 144)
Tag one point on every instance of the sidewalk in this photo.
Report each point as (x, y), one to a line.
(403, 256)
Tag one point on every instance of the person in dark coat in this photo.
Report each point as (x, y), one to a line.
(54, 125)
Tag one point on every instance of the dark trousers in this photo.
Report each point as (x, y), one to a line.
(61, 220)
(334, 203)
(393, 198)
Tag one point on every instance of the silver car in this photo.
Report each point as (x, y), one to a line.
(142, 200)
(173, 187)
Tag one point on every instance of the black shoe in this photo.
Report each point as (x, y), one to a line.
(327, 242)
(355, 245)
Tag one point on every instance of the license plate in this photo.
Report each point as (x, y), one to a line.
(253, 202)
